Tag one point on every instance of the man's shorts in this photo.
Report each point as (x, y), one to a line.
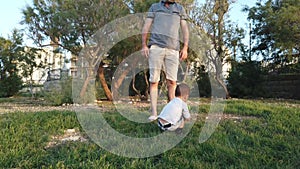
(163, 59)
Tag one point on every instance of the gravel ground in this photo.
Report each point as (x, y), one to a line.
(27, 105)
(26, 108)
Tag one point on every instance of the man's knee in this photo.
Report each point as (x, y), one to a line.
(153, 84)
(171, 83)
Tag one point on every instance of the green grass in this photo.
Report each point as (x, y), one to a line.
(270, 139)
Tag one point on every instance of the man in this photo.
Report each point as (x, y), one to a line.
(164, 19)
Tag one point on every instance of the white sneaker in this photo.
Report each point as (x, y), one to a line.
(152, 118)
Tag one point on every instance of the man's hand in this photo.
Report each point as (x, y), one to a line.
(145, 51)
(183, 54)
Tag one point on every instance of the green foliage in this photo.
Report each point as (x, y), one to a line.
(10, 85)
(70, 23)
(245, 79)
(60, 93)
(10, 55)
(276, 30)
(29, 62)
(16, 62)
(139, 6)
(203, 82)
(233, 40)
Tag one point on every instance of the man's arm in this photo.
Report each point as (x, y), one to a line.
(185, 31)
(145, 32)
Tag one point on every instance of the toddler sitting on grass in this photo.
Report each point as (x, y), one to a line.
(175, 113)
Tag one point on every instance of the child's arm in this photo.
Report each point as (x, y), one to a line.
(186, 114)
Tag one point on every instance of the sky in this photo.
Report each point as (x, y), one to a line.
(236, 13)
(11, 15)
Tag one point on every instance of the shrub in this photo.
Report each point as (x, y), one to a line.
(245, 80)
(203, 82)
(10, 85)
(59, 92)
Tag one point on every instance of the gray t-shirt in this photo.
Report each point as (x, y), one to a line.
(166, 25)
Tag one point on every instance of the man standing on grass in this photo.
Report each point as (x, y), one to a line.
(164, 19)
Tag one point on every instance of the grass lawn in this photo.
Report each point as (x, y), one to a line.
(253, 134)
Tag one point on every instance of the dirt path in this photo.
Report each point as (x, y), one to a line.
(13, 107)
(23, 104)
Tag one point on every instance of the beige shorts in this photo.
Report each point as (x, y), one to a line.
(163, 59)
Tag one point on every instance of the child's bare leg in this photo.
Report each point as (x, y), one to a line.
(182, 124)
(180, 128)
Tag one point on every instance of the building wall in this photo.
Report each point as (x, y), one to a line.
(53, 63)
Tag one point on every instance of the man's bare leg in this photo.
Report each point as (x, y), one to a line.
(153, 100)
(171, 89)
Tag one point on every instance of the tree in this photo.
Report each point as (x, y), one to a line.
(70, 24)
(124, 48)
(276, 31)
(212, 17)
(10, 55)
(220, 9)
(139, 6)
(233, 40)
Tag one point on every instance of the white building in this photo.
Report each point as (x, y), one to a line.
(52, 63)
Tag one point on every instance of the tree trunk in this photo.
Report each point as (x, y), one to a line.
(84, 87)
(119, 80)
(220, 80)
(147, 86)
(134, 88)
(103, 82)
(121, 77)
(221, 8)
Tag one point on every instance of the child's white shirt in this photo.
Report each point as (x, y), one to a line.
(174, 111)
